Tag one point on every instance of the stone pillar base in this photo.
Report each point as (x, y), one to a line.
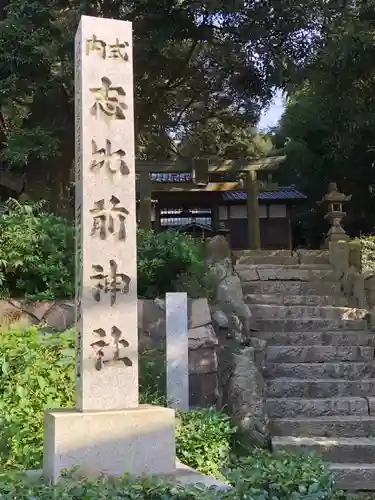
(136, 440)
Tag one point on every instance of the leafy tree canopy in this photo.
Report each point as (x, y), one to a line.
(328, 129)
(194, 61)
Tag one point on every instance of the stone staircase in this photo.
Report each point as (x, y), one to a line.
(320, 369)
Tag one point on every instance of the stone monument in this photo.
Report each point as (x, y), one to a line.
(107, 432)
(333, 201)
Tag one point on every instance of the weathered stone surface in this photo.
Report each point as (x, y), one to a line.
(229, 295)
(39, 308)
(312, 256)
(204, 390)
(151, 324)
(329, 370)
(352, 426)
(371, 405)
(203, 361)
(296, 300)
(177, 350)
(301, 407)
(354, 477)
(219, 319)
(204, 336)
(320, 388)
(349, 450)
(218, 249)
(136, 440)
(304, 325)
(60, 316)
(318, 354)
(265, 311)
(199, 313)
(246, 398)
(263, 254)
(287, 273)
(292, 287)
(328, 338)
(273, 259)
(12, 314)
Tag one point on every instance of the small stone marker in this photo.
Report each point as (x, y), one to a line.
(107, 432)
(177, 342)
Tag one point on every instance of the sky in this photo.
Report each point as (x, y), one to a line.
(270, 117)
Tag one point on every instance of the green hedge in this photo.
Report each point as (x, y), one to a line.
(37, 257)
(37, 372)
(36, 252)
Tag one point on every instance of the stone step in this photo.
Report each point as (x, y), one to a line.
(311, 371)
(337, 426)
(268, 266)
(318, 353)
(293, 287)
(303, 325)
(284, 387)
(349, 450)
(296, 300)
(303, 407)
(274, 259)
(265, 311)
(286, 273)
(334, 338)
(354, 477)
(312, 256)
(265, 254)
(302, 256)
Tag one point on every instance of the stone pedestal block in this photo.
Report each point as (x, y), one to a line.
(136, 441)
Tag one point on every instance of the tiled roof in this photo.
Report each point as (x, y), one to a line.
(172, 177)
(283, 193)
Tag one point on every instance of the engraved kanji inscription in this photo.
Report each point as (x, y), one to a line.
(118, 50)
(109, 220)
(105, 157)
(108, 100)
(111, 283)
(111, 347)
(97, 46)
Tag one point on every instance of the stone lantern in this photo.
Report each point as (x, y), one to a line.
(334, 201)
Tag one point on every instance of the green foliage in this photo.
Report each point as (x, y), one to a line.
(169, 261)
(362, 253)
(225, 138)
(281, 476)
(36, 373)
(315, 485)
(37, 257)
(328, 127)
(152, 377)
(73, 488)
(36, 252)
(194, 62)
(368, 253)
(204, 439)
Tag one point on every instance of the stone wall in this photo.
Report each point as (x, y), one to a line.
(59, 316)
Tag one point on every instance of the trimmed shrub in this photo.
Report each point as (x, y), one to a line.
(204, 439)
(36, 252)
(282, 476)
(37, 257)
(37, 372)
(169, 261)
